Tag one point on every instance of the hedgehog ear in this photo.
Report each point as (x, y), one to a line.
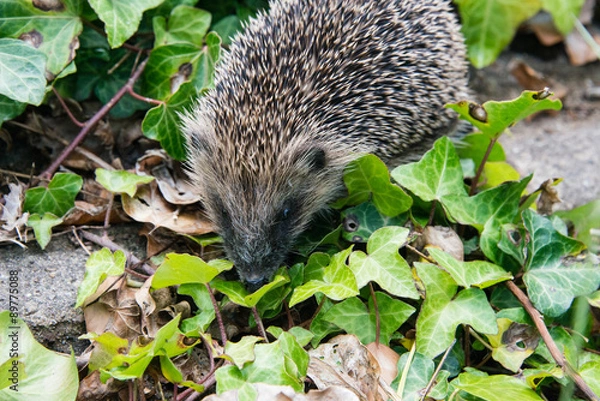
(314, 158)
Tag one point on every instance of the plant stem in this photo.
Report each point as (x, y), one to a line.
(377, 317)
(538, 320)
(259, 324)
(218, 315)
(89, 124)
(488, 151)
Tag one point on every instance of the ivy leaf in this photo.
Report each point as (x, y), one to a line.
(121, 181)
(383, 264)
(165, 64)
(236, 292)
(9, 108)
(22, 72)
(487, 212)
(282, 362)
(444, 309)
(204, 315)
(489, 26)
(477, 273)
(564, 13)
(185, 268)
(553, 281)
(336, 281)
(185, 25)
(42, 227)
(354, 317)
(162, 122)
(121, 18)
(205, 65)
(367, 178)
(513, 344)
(501, 115)
(56, 31)
(100, 264)
(42, 374)
(436, 175)
(419, 375)
(57, 199)
(487, 387)
(359, 222)
(241, 352)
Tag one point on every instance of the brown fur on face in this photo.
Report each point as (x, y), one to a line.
(303, 91)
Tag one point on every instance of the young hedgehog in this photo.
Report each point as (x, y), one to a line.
(303, 91)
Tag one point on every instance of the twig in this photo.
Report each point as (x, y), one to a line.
(107, 242)
(488, 151)
(538, 320)
(259, 324)
(66, 108)
(421, 254)
(437, 371)
(144, 98)
(94, 120)
(218, 315)
(377, 317)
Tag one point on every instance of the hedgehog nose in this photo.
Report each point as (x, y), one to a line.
(255, 283)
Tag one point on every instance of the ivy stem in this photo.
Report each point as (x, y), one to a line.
(488, 151)
(91, 123)
(218, 315)
(558, 357)
(66, 108)
(437, 371)
(259, 324)
(377, 322)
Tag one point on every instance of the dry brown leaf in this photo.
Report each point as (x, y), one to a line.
(92, 389)
(345, 362)
(531, 79)
(578, 50)
(149, 206)
(387, 359)
(548, 197)
(443, 238)
(268, 392)
(172, 182)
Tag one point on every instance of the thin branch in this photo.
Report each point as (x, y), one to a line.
(475, 181)
(91, 123)
(66, 108)
(437, 371)
(259, 324)
(538, 320)
(218, 315)
(144, 98)
(377, 317)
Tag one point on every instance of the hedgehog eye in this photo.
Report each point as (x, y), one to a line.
(286, 213)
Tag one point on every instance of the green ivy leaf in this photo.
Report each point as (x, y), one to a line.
(585, 219)
(100, 264)
(185, 25)
(57, 199)
(205, 66)
(354, 317)
(121, 181)
(564, 13)
(436, 175)
(513, 344)
(22, 72)
(185, 268)
(419, 375)
(553, 281)
(489, 26)
(502, 115)
(488, 211)
(41, 374)
(282, 362)
(444, 309)
(236, 292)
(227, 27)
(383, 264)
(164, 64)
(241, 352)
(336, 281)
(205, 314)
(360, 221)
(367, 178)
(477, 273)
(42, 227)
(55, 31)
(9, 108)
(162, 122)
(121, 18)
(488, 387)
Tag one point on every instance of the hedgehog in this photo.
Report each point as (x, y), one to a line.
(305, 89)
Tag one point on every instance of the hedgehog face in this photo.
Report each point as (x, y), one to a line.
(260, 215)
